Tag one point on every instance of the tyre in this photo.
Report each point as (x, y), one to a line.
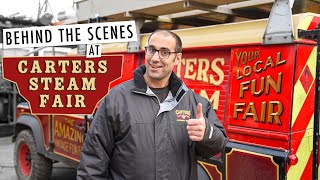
(29, 164)
(3, 114)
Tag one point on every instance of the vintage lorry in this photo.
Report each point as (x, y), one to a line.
(262, 79)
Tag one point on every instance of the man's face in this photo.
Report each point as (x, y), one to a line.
(157, 68)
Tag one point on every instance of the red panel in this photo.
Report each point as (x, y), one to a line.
(243, 165)
(66, 91)
(42, 119)
(130, 63)
(213, 171)
(259, 137)
(67, 138)
(276, 63)
(303, 53)
(211, 78)
(207, 72)
(45, 129)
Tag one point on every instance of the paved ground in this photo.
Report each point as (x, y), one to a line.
(7, 171)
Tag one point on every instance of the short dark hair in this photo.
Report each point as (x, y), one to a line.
(172, 34)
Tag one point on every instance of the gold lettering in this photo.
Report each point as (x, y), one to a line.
(68, 147)
(50, 66)
(33, 84)
(214, 98)
(69, 100)
(70, 121)
(243, 88)
(256, 54)
(66, 135)
(76, 66)
(79, 101)
(263, 112)
(238, 55)
(276, 86)
(57, 101)
(72, 84)
(22, 69)
(278, 62)
(43, 100)
(256, 66)
(79, 137)
(102, 66)
(218, 71)
(63, 64)
(58, 84)
(56, 130)
(182, 62)
(62, 128)
(36, 67)
(244, 57)
(88, 85)
(89, 65)
(64, 131)
(269, 62)
(202, 70)
(238, 75)
(253, 85)
(250, 111)
(46, 81)
(72, 136)
(251, 56)
(189, 69)
(236, 109)
(275, 115)
(247, 71)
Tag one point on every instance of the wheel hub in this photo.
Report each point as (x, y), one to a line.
(24, 158)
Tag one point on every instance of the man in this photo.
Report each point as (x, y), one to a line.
(153, 126)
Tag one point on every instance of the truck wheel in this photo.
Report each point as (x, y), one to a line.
(29, 164)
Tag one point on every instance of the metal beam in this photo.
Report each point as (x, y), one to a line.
(245, 4)
(224, 9)
(139, 15)
(185, 14)
(234, 10)
(195, 21)
(207, 7)
(136, 15)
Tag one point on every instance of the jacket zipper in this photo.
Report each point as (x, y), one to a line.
(154, 132)
(154, 141)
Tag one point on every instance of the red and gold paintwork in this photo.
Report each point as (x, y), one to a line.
(67, 133)
(212, 66)
(261, 128)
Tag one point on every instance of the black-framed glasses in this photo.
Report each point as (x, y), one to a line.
(163, 53)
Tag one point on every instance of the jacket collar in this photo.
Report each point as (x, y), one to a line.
(140, 85)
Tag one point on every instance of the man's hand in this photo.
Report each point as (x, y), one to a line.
(196, 127)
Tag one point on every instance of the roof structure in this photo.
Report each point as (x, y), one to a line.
(180, 14)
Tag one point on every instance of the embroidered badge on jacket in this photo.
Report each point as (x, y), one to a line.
(183, 115)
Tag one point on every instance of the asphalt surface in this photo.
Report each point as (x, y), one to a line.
(7, 171)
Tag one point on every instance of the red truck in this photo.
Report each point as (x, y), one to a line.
(263, 85)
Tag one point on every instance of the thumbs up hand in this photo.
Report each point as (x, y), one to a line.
(196, 127)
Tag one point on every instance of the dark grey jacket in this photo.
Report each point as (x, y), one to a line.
(133, 136)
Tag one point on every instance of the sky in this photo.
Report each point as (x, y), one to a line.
(30, 7)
